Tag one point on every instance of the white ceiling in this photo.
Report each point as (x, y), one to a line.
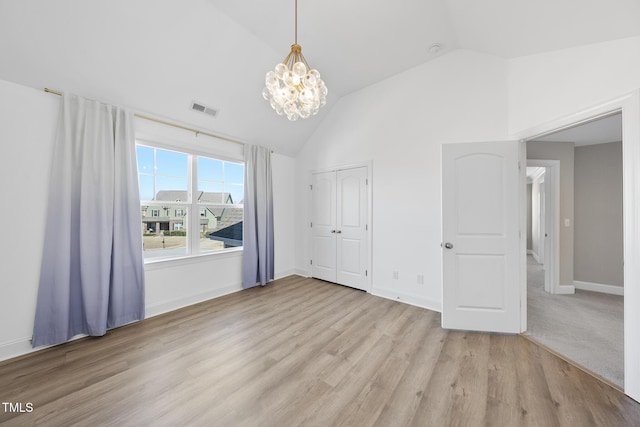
(157, 56)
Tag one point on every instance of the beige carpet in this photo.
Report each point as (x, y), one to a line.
(586, 327)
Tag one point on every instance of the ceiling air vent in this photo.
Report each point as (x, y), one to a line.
(196, 106)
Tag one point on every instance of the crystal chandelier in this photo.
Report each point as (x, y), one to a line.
(293, 88)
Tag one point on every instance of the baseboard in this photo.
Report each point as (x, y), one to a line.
(301, 272)
(598, 287)
(285, 273)
(167, 306)
(23, 347)
(535, 256)
(408, 299)
(16, 348)
(565, 290)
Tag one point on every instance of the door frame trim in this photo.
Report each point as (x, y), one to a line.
(629, 106)
(551, 252)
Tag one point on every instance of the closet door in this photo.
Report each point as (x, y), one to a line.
(323, 226)
(351, 227)
(339, 227)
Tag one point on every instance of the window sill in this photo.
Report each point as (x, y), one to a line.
(156, 264)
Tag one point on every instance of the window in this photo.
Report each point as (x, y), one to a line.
(190, 204)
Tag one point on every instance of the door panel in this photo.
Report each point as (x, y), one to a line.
(471, 296)
(481, 284)
(351, 250)
(475, 176)
(351, 226)
(350, 208)
(323, 227)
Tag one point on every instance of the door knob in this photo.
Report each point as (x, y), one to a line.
(339, 231)
(333, 231)
(448, 245)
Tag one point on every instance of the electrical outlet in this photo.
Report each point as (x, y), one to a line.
(395, 275)
(420, 279)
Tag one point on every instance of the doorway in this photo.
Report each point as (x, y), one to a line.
(544, 178)
(580, 315)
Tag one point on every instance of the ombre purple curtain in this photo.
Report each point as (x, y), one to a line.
(257, 256)
(92, 272)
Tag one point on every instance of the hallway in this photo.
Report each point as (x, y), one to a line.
(586, 327)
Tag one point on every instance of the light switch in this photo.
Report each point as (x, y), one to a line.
(567, 223)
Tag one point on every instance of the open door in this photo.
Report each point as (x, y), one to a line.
(481, 237)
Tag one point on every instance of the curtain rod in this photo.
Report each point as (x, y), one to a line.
(153, 119)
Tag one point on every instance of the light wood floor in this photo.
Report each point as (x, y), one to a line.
(305, 352)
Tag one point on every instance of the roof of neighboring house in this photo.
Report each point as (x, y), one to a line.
(203, 196)
(208, 197)
(229, 217)
(229, 227)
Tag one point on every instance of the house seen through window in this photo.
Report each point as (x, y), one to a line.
(189, 204)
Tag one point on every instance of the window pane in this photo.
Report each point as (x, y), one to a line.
(220, 227)
(171, 189)
(164, 230)
(209, 169)
(145, 159)
(211, 187)
(236, 191)
(146, 187)
(170, 163)
(233, 173)
(162, 174)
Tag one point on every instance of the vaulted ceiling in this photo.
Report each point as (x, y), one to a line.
(158, 56)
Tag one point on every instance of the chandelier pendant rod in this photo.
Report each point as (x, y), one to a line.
(296, 23)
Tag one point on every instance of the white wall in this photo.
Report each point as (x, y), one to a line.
(550, 86)
(598, 236)
(284, 206)
(399, 124)
(28, 120)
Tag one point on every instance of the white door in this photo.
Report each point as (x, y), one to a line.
(481, 237)
(323, 226)
(339, 227)
(351, 227)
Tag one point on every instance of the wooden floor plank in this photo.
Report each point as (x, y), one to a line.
(305, 352)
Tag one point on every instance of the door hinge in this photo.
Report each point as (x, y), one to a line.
(366, 227)
(366, 273)
(311, 187)
(366, 181)
(519, 166)
(311, 261)
(311, 224)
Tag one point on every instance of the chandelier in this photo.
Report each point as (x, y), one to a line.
(293, 88)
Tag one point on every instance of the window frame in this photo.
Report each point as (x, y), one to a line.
(191, 208)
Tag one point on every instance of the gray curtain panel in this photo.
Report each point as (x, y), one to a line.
(92, 273)
(257, 256)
